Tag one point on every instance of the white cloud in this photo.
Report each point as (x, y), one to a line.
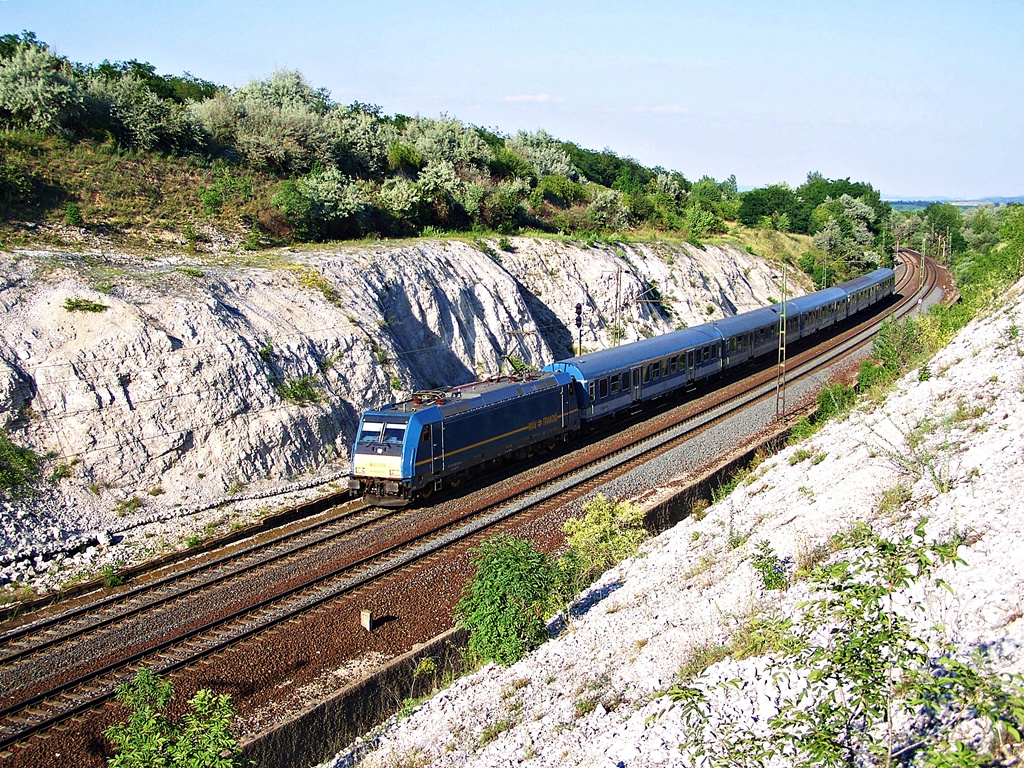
(663, 109)
(535, 98)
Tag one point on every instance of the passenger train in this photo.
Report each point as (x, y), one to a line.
(439, 437)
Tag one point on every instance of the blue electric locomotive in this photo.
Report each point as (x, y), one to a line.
(411, 448)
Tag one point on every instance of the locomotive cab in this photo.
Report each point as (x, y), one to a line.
(392, 454)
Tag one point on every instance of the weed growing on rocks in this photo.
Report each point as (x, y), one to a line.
(84, 305)
(769, 567)
(860, 668)
(20, 468)
(300, 391)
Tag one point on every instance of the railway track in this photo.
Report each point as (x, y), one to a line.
(29, 709)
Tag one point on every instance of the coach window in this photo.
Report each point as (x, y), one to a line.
(603, 388)
(615, 383)
(656, 370)
(672, 364)
(625, 381)
(590, 390)
(689, 359)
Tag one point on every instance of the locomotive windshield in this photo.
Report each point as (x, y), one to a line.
(370, 431)
(381, 432)
(394, 433)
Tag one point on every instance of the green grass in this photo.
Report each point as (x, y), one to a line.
(84, 305)
(123, 192)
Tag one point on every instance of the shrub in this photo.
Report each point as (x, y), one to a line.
(448, 141)
(123, 106)
(503, 604)
(509, 165)
(558, 190)
(279, 123)
(495, 207)
(834, 400)
(404, 158)
(607, 211)
(73, 215)
(701, 222)
(37, 91)
(300, 391)
(323, 204)
(609, 532)
(202, 737)
(14, 186)
(545, 153)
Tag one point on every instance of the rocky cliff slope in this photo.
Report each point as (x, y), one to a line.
(164, 386)
(946, 447)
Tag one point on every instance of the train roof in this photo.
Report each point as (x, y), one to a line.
(478, 394)
(748, 321)
(865, 281)
(596, 364)
(813, 300)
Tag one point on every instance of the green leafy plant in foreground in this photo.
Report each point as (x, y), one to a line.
(504, 603)
(864, 665)
(201, 739)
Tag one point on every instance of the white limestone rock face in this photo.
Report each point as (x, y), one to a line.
(172, 399)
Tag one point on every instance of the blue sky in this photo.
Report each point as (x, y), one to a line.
(918, 98)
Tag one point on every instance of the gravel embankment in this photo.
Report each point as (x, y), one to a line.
(591, 696)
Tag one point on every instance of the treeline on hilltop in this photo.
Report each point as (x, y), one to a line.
(89, 142)
(344, 171)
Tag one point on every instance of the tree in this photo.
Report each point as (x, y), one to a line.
(504, 603)
(1011, 229)
(771, 201)
(945, 220)
(37, 91)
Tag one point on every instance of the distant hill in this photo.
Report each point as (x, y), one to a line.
(913, 205)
